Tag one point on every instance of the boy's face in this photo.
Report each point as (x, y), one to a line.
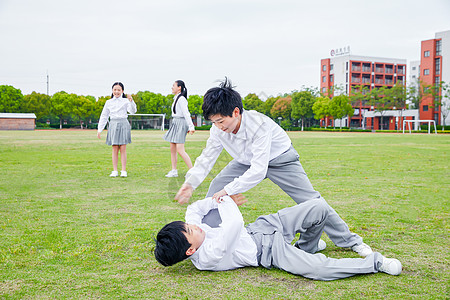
(195, 236)
(226, 123)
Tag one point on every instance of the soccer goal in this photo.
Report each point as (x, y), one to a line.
(147, 121)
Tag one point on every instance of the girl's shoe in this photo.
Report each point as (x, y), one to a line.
(114, 174)
(123, 174)
(172, 173)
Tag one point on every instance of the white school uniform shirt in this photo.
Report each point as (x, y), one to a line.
(226, 247)
(116, 108)
(258, 140)
(183, 111)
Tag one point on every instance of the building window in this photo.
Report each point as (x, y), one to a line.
(437, 66)
(324, 68)
(346, 77)
(331, 67)
(324, 79)
(426, 72)
(426, 54)
(324, 90)
(346, 66)
(438, 47)
(413, 68)
(331, 78)
(425, 108)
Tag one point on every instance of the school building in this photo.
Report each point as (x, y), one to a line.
(434, 68)
(343, 72)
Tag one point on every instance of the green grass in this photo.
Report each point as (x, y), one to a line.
(67, 230)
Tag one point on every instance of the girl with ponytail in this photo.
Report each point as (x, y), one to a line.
(180, 125)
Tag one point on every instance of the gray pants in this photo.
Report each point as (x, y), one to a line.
(274, 233)
(286, 172)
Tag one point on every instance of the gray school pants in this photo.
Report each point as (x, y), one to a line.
(286, 172)
(274, 233)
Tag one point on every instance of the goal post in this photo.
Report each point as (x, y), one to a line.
(147, 121)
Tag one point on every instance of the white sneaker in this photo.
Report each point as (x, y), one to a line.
(390, 266)
(320, 246)
(114, 174)
(172, 173)
(362, 249)
(123, 174)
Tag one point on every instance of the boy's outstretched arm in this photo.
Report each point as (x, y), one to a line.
(184, 194)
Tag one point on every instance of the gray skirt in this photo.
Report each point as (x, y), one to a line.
(119, 132)
(177, 131)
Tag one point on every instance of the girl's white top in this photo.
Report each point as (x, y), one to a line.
(183, 111)
(116, 108)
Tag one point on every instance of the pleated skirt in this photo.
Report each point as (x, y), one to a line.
(177, 131)
(119, 132)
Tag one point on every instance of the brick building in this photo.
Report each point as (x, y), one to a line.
(434, 68)
(11, 121)
(350, 71)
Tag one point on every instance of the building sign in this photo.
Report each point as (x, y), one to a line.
(340, 51)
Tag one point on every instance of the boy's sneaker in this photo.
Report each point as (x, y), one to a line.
(320, 246)
(123, 174)
(172, 173)
(362, 249)
(114, 174)
(390, 266)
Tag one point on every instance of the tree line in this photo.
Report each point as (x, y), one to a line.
(298, 108)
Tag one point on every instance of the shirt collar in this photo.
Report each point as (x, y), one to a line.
(242, 132)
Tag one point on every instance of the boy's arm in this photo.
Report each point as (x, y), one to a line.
(213, 251)
(202, 167)
(197, 210)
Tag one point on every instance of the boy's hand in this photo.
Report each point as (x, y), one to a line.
(184, 194)
(219, 195)
(98, 135)
(239, 199)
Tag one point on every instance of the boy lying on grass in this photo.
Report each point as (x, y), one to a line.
(266, 242)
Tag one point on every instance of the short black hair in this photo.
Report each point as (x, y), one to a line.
(221, 100)
(171, 244)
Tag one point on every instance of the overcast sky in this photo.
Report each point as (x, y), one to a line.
(271, 46)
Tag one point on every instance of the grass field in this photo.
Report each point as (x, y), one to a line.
(67, 230)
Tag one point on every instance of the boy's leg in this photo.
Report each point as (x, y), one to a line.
(272, 234)
(318, 266)
(287, 172)
(227, 175)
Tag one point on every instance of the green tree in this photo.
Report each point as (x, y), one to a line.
(62, 105)
(321, 109)
(11, 99)
(37, 103)
(82, 107)
(340, 107)
(195, 105)
(152, 103)
(282, 108)
(381, 101)
(302, 103)
(252, 102)
(268, 104)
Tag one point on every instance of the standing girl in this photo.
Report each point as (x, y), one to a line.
(181, 124)
(119, 130)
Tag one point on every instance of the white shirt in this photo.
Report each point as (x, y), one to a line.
(116, 108)
(183, 110)
(258, 140)
(226, 247)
